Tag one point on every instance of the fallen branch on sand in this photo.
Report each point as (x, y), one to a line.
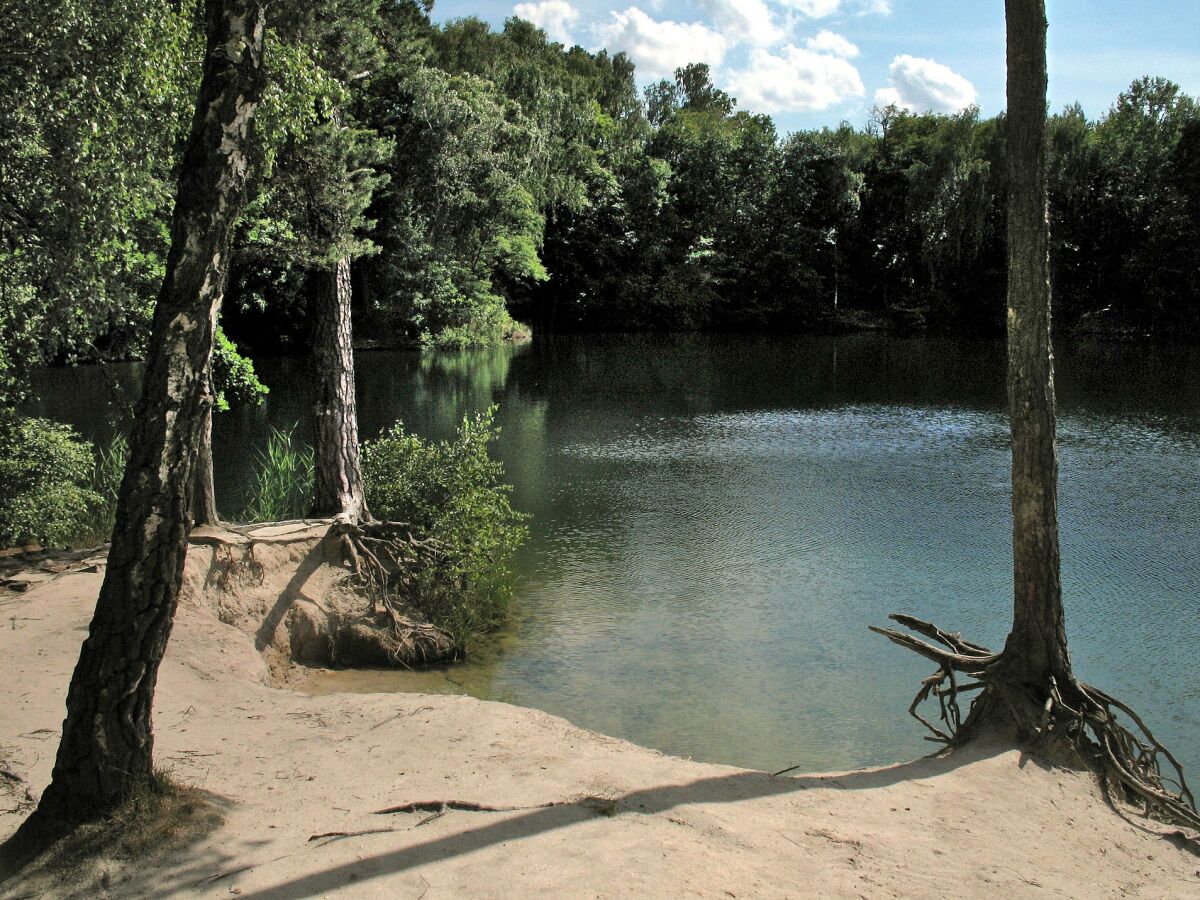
(1128, 760)
(442, 806)
(338, 835)
(603, 805)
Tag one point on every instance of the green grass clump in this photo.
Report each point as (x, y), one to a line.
(453, 493)
(283, 480)
(107, 472)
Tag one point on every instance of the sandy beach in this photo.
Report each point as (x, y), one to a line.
(493, 800)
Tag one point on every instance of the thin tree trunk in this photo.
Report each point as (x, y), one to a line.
(1029, 689)
(204, 492)
(1037, 646)
(338, 476)
(107, 739)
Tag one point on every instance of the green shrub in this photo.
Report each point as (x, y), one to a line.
(46, 472)
(490, 326)
(453, 493)
(283, 480)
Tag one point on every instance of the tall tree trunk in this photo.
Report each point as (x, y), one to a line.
(204, 492)
(1029, 688)
(107, 739)
(338, 477)
(1037, 646)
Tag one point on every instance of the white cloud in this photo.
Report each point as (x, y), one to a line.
(875, 7)
(658, 48)
(746, 20)
(797, 80)
(922, 85)
(555, 17)
(885, 97)
(814, 9)
(833, 44)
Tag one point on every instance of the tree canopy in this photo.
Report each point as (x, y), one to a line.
(474, 175)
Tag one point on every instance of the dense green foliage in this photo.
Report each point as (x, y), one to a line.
(92, 99)
(55, 489)
(1125, 207)
(721, 224)
(233, 375)
(449, 492)
(452, 493)
(473, 175)
(45, 483)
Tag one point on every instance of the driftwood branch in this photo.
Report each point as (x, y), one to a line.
(338, 835)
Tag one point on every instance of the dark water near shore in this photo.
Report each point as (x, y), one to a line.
(717, 520)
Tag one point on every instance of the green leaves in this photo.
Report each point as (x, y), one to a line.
(92, 99)
(458, 217)
(45, 483)
(471, 172)
(234, 378)
(312, 212)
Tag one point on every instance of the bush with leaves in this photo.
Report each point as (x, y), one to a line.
(451, 492)
(46, 473)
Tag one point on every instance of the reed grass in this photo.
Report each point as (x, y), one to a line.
(283, 479)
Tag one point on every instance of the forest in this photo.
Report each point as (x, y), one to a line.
(477, 178)
(187, 187)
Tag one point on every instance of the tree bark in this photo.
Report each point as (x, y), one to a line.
(338, 476)
(1037, 646)
(204, 491)
(107, 741)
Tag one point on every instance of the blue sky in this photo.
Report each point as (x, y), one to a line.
(817, 62)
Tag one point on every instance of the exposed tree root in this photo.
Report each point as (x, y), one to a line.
(1073, 714)
(386, 558)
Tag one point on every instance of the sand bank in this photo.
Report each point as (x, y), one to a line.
(534, 806)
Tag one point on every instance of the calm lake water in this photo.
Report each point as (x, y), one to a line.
(717, 520)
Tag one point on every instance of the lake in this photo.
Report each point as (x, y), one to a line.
(717, 520)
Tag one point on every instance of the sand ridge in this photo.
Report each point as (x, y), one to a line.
(513, 802)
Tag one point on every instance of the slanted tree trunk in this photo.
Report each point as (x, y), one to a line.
(1036, 649)
(107, 739)
(338, 476)
(204, 492)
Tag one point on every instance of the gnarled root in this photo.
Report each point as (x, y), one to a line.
(385, 558)
(1129, 760)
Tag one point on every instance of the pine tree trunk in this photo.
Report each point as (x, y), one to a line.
(107, 739)
(204, 491)
(338, 477)
(1037, 646)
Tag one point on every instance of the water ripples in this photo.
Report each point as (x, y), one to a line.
(776, 536)
(702, 572)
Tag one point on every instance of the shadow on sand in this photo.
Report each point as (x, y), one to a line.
(733, 788)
